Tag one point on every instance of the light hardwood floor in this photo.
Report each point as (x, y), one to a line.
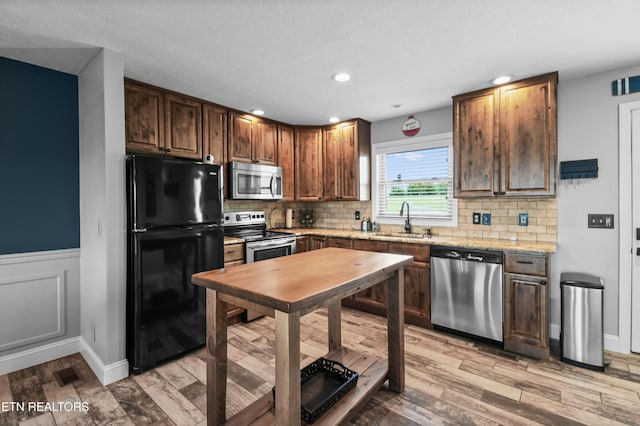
(450, 381)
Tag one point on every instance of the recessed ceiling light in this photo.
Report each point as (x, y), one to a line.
(501, 79)
(341, 77)
(257, 112)
(334, 120)
(396, 105)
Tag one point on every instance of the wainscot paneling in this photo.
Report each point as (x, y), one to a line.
(45, 295)
(39, 307)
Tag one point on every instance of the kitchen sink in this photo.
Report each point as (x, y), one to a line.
(412, 235)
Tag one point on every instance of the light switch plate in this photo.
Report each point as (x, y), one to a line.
(486, 218)
(523, 219)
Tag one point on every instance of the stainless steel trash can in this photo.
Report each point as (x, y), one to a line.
(582, 335)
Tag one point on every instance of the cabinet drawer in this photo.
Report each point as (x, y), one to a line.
(234, 253)
(339, 242)
(420, 252)
(380, 246)
(527, 264)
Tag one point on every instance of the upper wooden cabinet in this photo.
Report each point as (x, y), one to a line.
(308, 164)
(505, 140)
(346, 149)
(286, 161)
(214, 137)
(158, 121)
(182, 126)
(214, 132)
(251, 140)
(144, 118)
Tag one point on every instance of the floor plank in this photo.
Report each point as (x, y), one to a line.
(449, 381)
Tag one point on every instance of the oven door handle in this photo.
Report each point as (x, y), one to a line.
(270, 243)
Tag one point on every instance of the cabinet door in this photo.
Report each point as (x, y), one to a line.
(317, 242)
(308, 160)
(417, 304)
(528, 137)
(526, 315)
(240, 146)
(339, 242)
(332, 163)
(302, 244)
(475, 144)
(144, 118)
(265, 143)
(349, 162)
(417, 290)
(286, 161)
(214, 136)
(214, 132)
(183, 126)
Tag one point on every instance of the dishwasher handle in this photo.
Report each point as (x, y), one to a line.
(476, 258)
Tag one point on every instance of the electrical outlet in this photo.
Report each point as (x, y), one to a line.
(486, 218)
(477, 218)
(357, 215)
(523, 219)
(600, 221)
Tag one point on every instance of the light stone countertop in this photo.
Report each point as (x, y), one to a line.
(232, 240)
(478, 243)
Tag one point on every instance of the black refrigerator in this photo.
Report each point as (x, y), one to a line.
(174, 220)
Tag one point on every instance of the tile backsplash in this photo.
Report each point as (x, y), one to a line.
(542, 214)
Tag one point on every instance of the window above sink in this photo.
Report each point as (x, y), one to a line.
(417, 171)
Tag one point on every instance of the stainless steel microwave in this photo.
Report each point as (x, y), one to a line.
(254, 182)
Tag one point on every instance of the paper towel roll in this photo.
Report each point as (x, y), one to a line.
(289, 218)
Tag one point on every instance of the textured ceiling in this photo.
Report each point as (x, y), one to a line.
(279, 55)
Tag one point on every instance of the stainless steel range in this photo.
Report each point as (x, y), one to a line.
(260, 244)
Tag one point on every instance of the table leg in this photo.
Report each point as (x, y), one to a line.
(395, 330)
(216, 359)
(287, 368)
(335, 326)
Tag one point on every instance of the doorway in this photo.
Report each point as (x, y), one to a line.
(629, 271)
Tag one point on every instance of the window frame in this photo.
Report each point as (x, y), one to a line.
(419, 143)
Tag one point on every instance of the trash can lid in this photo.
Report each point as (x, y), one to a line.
(579, 279)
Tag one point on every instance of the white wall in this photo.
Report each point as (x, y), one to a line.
(588, 128)
(432, 123)
(102, 215)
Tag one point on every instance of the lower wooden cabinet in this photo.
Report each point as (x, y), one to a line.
(234, 255)
(339, 242)
(302, 244)
(317, 242)
(310, 242)
(526, 304)
(417, 307)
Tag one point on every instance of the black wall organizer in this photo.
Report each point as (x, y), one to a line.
(579, 169)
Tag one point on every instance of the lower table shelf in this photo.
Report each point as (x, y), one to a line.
(373, 373)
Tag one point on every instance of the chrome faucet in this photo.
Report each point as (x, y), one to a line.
(407, 222)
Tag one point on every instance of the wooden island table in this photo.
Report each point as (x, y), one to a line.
(287, 288)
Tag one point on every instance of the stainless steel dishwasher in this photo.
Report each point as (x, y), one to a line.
(466, 291)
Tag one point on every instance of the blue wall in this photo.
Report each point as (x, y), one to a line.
(39, 159)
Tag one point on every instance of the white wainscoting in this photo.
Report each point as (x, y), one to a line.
(39, 307)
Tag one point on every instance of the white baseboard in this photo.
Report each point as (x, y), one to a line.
(611, 341)
(35, 356)
(106, 373)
